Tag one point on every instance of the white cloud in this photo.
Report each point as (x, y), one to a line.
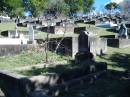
(117, 1)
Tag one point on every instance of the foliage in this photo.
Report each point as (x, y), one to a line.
(88, 5)
(60, 6)
(111, 5)
(37, 6)
(75, 5)
(12, 7)
(16, 7)
(57, 7)
(4, 6)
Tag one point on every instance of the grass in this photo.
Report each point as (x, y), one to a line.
(43, 35)
(107, 86)
(116, 58)
(11, 26)
(26, 58)
(100, 30)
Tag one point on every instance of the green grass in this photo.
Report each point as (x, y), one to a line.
(11, 26)
(117, 58)
(43, 35)
(100, 30)
(26, 58)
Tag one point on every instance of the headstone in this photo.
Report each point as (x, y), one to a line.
(83, 42)
(89, 43)
(74, 46)
(31, 33)
(16, 32)
(17, 21)
(123, 32)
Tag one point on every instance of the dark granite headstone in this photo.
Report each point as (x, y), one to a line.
(83, 42)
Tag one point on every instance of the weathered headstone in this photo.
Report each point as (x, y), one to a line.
(16, 32)
(17, 20)
(123, 32)
(31, 34)
(95, 45)
(74, 46)
(83, 42)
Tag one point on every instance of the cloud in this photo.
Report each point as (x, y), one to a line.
(117, 1)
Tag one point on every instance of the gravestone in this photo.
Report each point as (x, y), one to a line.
(95, 45)
(83, 42)
(16, 32)
(123, 32)
(83, 53)
(74, 46)
(17, 20)
(31, 34)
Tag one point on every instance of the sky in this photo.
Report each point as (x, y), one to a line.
(99, 4)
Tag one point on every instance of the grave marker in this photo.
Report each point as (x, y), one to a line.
(31, 34)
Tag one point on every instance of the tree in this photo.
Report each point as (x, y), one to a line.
(79, 5)
(37, 6)
(12, 7)
(4, 6)
(60, 6)
(57, 7)
(88, 5)
(111, 6)
(74, 5)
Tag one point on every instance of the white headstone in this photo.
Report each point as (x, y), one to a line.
(31, 33)
(16, 32)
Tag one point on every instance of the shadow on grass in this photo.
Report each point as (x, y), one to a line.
(119, 60)
(109, 85)
(59, 69)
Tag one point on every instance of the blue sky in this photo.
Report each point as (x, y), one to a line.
(99, 4)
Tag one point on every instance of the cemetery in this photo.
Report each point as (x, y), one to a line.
(57, 52)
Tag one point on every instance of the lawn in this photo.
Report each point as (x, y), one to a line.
(43, 35)
(117, 58)
(113, 53)
(11, 26)
(101, 31)
(27, 58)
